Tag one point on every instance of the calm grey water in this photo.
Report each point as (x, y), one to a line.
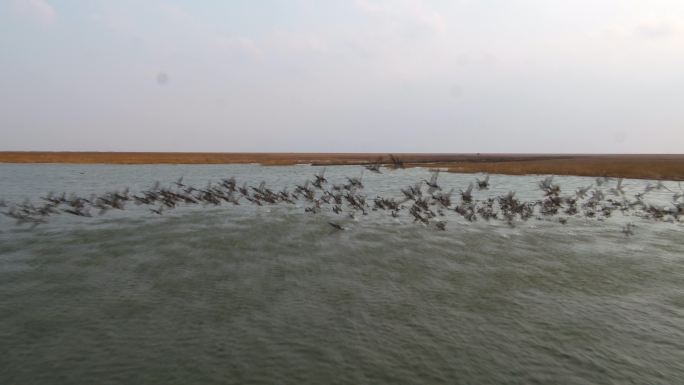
(246, 294)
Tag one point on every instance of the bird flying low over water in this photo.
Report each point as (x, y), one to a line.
(628, 229)
(336, 226)
(483, 184)
(354, 183)
(467, 195)
(320, 179)
(432, 184)
(396, 162)
(618, 189)
(600, 181)
(375, 167)
(431, 209)
(581, 192)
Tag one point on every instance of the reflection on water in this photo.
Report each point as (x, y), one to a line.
(237, 294)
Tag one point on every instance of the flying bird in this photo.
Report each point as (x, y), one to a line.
(483, 184)
(336, 226)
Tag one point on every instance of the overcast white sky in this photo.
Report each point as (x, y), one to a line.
(342, 75)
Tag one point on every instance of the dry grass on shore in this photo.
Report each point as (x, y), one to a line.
(666, 167)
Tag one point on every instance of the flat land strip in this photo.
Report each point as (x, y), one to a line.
(640, 166)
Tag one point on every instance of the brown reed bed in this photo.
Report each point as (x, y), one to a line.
(640, 166)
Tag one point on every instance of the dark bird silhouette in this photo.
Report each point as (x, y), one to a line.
(432, 184)
(483, 184)
(618, 189)
(336, 226)
(78, 212)
(354, 183)
(413, 192)
(396, 162)
(243, 190)
(467, 195)
(342, 197)
(315, 209)
(581, 192)
(417, 217)
(628, 229)
(374, 167)
(229, 184)
(444, 199)
(546, 183)
(600, 181)
(320, 179)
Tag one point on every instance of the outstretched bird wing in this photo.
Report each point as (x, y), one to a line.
(433, 178)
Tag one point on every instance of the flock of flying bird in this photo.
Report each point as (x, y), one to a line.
(426, 201)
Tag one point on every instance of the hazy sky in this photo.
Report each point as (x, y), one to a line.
(342, 75)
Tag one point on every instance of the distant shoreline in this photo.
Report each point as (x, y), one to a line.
(638, 166)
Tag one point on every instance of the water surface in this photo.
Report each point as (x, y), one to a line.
(246, 294)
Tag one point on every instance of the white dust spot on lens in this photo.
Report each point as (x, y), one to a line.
(620, 137)
(162, 78)
(456, 91)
